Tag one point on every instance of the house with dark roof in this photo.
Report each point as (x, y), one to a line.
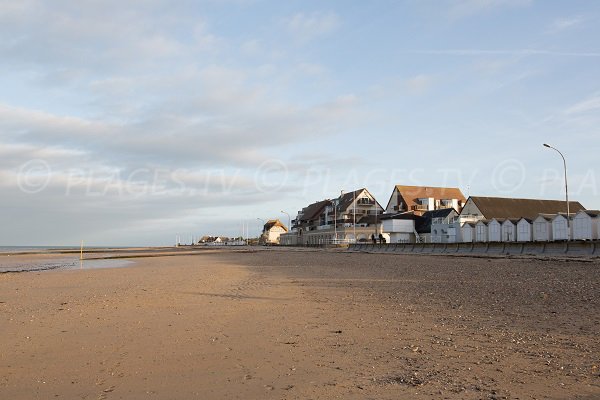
(478, 207)
(351, 217)
(420, 199)
(272, 230)
(503, 215)
(411, 227)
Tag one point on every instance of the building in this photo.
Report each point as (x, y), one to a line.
(509, 230)
(351, 217)
(272, 231)
(524, 231)
(429, 227)
(494, 230)
(542, 228)
(419, 199)
(586, 225)
(481, 230)
(467, 232)
(560, 227)
(496, 210)
(499, 207)
(437, 224)
(400, 228)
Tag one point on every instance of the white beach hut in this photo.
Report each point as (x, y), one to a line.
(494, 230)
(468, 232)
(524, 230)
(542, 228)
(559, 227)
(586, 225)
(509, 230)
(481, 231)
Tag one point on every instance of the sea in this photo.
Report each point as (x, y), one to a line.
(23, 249)
(10, 264)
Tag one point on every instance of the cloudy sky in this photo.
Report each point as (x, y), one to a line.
(128, 122)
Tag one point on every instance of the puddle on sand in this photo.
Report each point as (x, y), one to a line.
(93, 264)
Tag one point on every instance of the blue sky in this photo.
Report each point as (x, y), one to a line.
(126, 123)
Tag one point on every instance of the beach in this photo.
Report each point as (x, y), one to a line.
(302, 324)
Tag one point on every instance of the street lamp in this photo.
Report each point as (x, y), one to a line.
(566, 191)
(263, 227)
(289, 221)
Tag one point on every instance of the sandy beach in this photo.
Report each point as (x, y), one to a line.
(283, 324)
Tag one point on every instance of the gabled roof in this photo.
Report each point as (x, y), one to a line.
(423, 224)
(592, 213)
(441, 213)
(314, 209)
(500, 207)
(547, 217)
(272, 223)
(411, 193)
(346, 199)
(401, 215)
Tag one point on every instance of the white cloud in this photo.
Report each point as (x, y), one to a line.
(563, 24)
(513, 52)
(419, 84)
(585, 106)
(305, 27)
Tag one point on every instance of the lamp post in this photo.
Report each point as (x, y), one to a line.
(289, 221)
(263, 227)
(566, 190)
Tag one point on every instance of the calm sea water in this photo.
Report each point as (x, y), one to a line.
(19, 249)
(14, 264)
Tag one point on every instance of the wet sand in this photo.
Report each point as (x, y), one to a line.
(304, 324)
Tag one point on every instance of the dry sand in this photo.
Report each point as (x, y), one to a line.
(280, 324)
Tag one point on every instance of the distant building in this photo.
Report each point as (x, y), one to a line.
(351, 217)
(495, 211)
(272, 231)
(477, 208)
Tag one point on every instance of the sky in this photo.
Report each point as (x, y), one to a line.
(128, 123)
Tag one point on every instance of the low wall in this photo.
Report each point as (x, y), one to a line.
(575, 248)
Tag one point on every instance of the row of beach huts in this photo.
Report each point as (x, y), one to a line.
(585, 225)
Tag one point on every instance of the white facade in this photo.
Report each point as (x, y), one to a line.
(468, 232)
(524, 230)
(542, 229)
(494, 231)
(274, 233)
(399, 230)
(481, 231)
(509, 231)
(560, 229)
(586, 225)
